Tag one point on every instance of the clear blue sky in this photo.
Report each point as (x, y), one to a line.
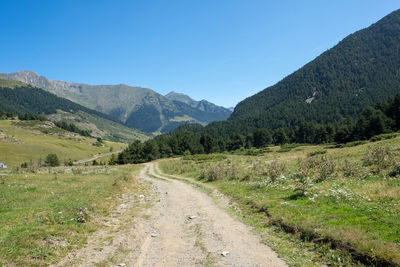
(219, 50)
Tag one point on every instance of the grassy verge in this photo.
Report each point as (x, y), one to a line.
(45, 215)
(346, 199)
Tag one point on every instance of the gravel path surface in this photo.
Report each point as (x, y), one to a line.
(182, 227)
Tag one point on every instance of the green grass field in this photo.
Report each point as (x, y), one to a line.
(344, 198)
(29, 141)
(40, 218)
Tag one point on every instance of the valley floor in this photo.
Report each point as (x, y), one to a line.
(184, 227)
(208, 210)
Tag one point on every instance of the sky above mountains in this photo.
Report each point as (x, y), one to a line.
(222, 51)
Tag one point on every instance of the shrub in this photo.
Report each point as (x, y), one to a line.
(318, 152)
(303, 182)
(232, 172)
(214, 173)
(205, 157)
(351, 144)
(275, 169)
(349, 169)
(288, 147)
(383, 137)
(381, 157)
(52, 160)
(395, 170)
(307, 166)
(326, 170)
(69, 163)
(317, 165)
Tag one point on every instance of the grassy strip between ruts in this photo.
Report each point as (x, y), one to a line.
(352, 208)
(45, 215)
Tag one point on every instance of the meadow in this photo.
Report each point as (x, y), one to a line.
(345, 198)
(32, 141)
(47, 213)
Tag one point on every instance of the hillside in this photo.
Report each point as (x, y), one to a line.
(139, 108)
(22, 98)
(362, 69)
(30, 141)
(344, 199)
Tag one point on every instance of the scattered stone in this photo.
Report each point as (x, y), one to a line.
(141, 196)
(224, 253)
(121, 264)
(154, 234)
(191, 217)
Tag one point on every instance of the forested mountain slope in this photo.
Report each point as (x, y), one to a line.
(137, 107)
(21, 98)
(362, 69)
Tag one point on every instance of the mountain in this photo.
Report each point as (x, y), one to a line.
(19, 98)
(181, 98)
(361, 70)
(137, 107)
(216, 113)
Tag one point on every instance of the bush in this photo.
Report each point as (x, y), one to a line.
(205, 157)
(303, 182)
(307, 166)
(383, 137)
(381, 157)
(52, 160)
(349, 169)
(214, 173)
(395, 170)
(321, 166)
(288, 147)
(318, 152)
(326, 170)
(351, 144)
(275, 169)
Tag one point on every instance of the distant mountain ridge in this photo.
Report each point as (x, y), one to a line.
(202, 105)
(20, 98)
(137, 107)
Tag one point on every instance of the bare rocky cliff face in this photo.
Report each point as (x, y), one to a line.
(137, 107)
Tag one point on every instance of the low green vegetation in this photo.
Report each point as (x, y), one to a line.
(346, 199)
(32, 141)
(47, 213)
(52, 160)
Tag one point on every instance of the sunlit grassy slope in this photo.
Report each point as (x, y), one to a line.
(26, 141)
(346, 197)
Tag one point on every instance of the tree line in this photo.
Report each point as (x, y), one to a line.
(384, 117)
(72, 128)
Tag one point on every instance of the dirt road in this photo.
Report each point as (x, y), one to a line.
(81, 161)
(184, 227)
